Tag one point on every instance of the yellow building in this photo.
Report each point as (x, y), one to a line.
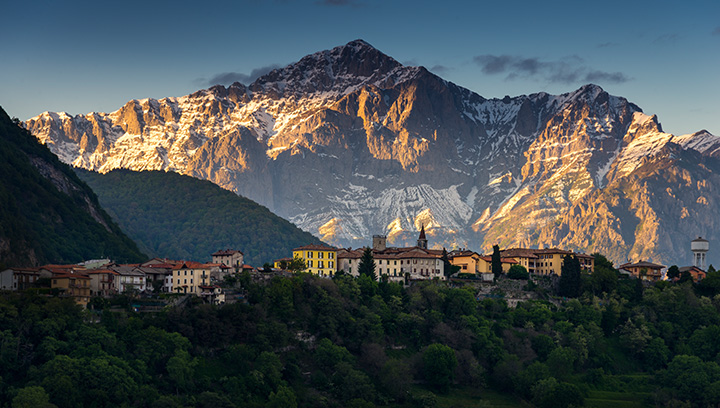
(319, 259)
(549, 261)
(468, 261)
(74, 286)
(189, 276)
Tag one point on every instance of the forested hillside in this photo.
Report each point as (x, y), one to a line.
(47, 214)
(353, 342)
(180, 217)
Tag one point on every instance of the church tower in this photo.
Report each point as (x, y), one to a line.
(422, 241)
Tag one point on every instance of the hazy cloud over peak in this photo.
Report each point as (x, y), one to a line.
(568, 70)
(439, 69)
(227, 78)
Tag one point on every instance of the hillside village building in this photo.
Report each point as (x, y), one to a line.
(18, 278)
(643, 270)
(399, 264)
(472, 262)
(231, 258)
(319, 259)
(547, 261)
(73, 285)
(189, 276)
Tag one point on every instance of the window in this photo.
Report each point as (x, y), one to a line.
(330, 264)
(320, 255)
(309, 255)
(321, 264)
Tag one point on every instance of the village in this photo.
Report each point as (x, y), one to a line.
(403, 265)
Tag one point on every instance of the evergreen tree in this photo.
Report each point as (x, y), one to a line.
(570, 284)
(449, 269)
(673, 272)
(297, 265)
(496, 263)
(367, 264)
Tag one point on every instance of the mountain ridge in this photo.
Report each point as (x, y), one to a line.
(347, 143)
(47, 214)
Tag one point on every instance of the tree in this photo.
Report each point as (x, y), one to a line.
(518, 272)
(449, 269)
(439, 364)
(32, 397)
(367, 264)
(686, 276)
(570, 283)
(297, 265)
(496, 262)
(283, 398)
(673, 272)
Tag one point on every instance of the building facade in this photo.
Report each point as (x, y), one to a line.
(320, 260)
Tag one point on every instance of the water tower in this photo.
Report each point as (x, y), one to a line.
(699, 248)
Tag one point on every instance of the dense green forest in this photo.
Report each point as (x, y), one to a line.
(354, 342)
(180, 217)
(47, 214)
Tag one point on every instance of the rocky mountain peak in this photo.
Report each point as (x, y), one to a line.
(336, 69)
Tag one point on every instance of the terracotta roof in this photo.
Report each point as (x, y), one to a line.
(690, 268)
(551, 251)
(459, 253)
(519, 253)
(315, 247)
(100, 271)
(285, 259)
(51, 266)
(642, 264)
(488, 258)
(71, 276)
(159, 266)
(190, 265)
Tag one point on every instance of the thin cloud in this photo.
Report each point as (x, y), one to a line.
(227, 78)
(716, 31)
(610, 77)
(666, 39)
(608, 45)
(439, 69)
(568, 70)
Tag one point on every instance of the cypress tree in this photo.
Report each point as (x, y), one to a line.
(367, 264)
(496, 262)
(570, 284)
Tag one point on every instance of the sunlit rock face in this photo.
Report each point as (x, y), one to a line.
(348, 143)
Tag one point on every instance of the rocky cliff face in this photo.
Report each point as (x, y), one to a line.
(348, 143)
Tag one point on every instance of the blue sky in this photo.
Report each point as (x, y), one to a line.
(83, 56)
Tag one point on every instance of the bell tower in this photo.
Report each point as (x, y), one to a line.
(422, 241)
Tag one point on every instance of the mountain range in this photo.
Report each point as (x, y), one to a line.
(348, 142)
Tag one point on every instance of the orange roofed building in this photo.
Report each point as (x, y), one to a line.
(644, 270)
